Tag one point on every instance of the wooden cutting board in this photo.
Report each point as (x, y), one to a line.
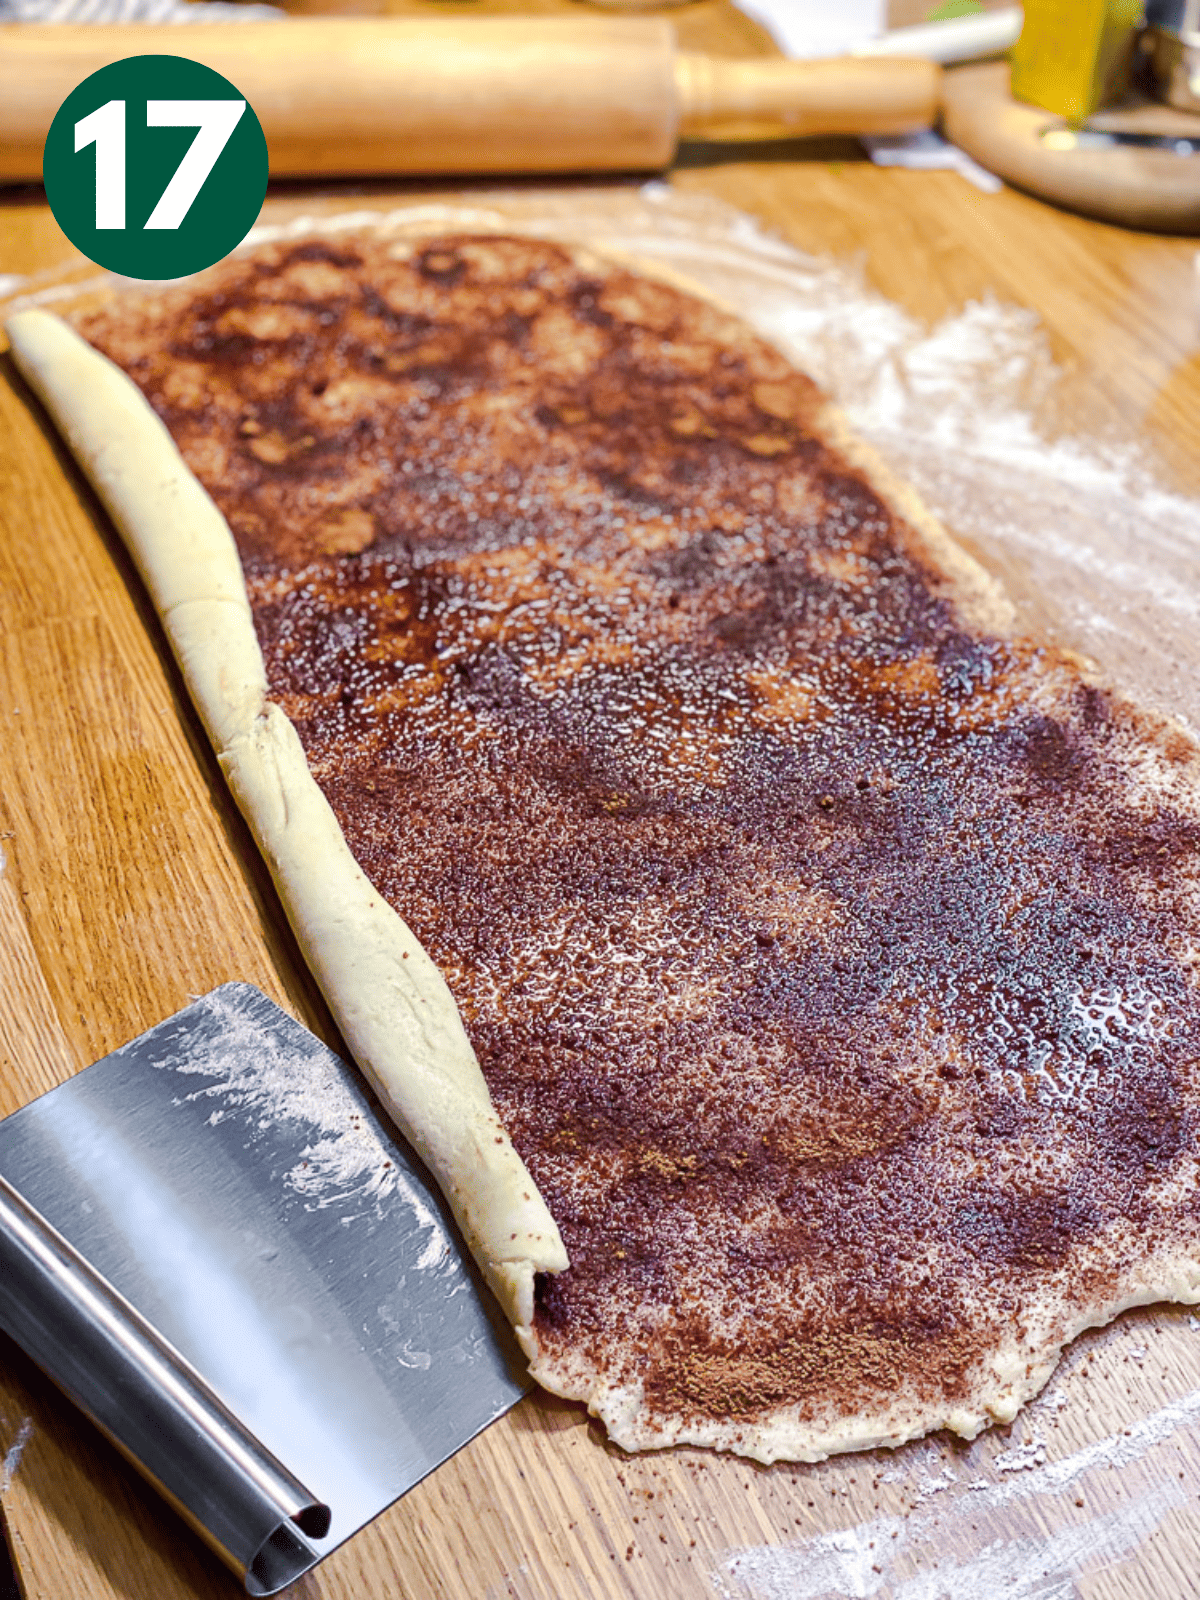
(130, 884)
(1143, 188)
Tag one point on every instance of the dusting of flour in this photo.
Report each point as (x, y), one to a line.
(1028, 1535)
(266, 1079)
(12, 1456)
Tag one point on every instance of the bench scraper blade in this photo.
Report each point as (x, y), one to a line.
(233, 1181)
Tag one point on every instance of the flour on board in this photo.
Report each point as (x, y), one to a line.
(1098, 1515)
(12, 1456)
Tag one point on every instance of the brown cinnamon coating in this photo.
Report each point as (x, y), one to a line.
(832, 964)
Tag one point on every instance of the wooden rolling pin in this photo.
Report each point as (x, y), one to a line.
(484, 94)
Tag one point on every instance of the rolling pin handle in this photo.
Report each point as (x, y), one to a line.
(844, 95)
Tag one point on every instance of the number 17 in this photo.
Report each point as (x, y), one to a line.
(105, 128)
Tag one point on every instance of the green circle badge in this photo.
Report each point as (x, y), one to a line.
(155, 167)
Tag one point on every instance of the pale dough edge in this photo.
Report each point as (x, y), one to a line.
(1016, 1375)
(390, 1001)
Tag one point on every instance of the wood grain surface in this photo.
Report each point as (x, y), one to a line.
(129, 885)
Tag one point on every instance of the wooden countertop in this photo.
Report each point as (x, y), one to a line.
(130, 884)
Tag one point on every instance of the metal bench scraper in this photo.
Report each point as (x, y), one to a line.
(213, 1242)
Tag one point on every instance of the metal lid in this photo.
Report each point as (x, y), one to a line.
(1181, 17)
